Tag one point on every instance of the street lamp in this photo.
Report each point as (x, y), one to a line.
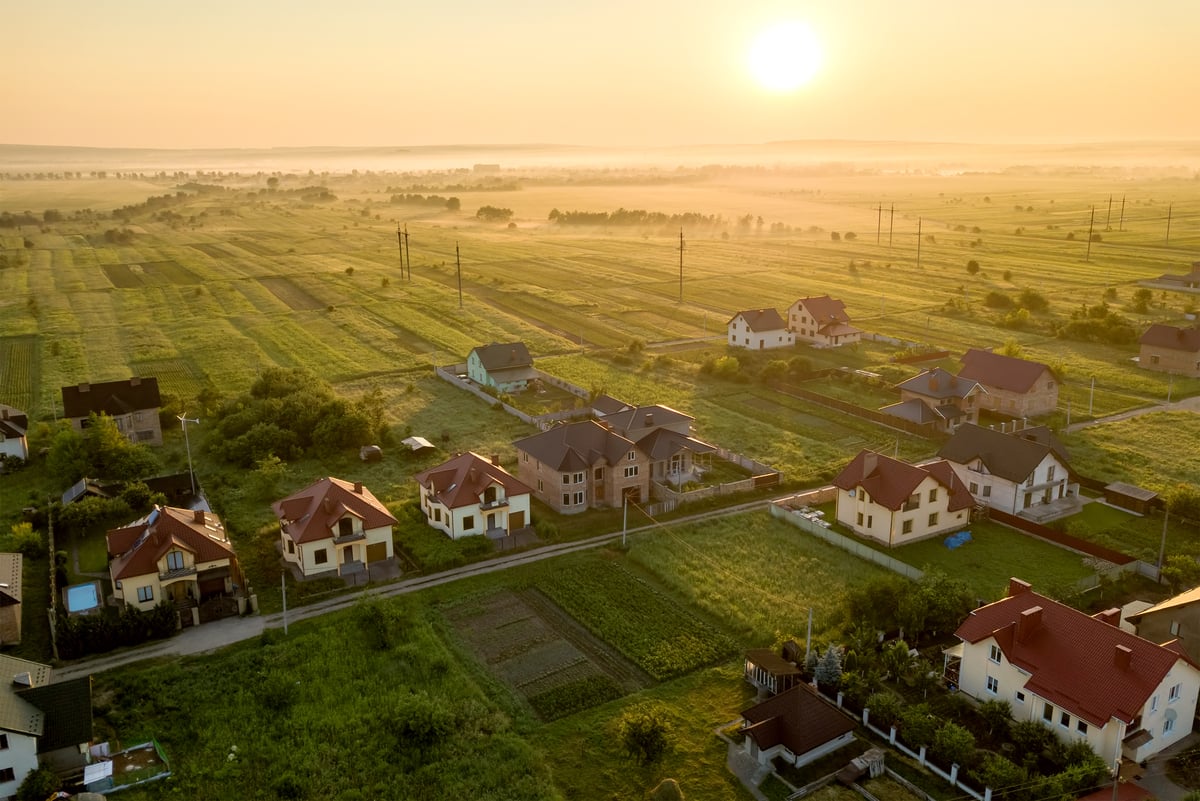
(183, 421)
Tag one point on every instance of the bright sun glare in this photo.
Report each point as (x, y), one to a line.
(785, 56)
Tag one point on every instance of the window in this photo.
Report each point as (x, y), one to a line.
(1047, 713)
(291, 547)
(906, 527)
(993, 685)
(1050, 473)
(577, 478)
(578, 498)
(175, 560)
(1081, 727)
(3, 742)
(566, 499)
(1168, 725)
(1174, 693)
(860, 518)
(1174, 628)
(468, 522)
(632, 456)
(437, 515)
(1153, 359)
(345, 527)
(870, 521)
(1064, 720)
(145, 594)
(1029, 481)
(994, 653)
(631, 471)
(7, 775)
(933, 518)
(524, 457)
(599, 474)
(321, 557)
(987, 491)
(541, 487)
(933, 495)
(566, 478)
(1154, 703)
(913, 502)
(974, 488)
(1020, 697)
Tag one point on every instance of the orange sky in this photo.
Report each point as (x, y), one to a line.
(260, 73)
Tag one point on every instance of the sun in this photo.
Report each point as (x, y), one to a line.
(785, 56)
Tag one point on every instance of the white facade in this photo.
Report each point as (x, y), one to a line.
(741, 336)
(495, 511)
(353, 546)
(21, 756)
(14, 446)
(986, 674)
(1048, 482)
(923, 515)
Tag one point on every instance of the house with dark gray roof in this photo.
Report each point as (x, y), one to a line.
(1168, 349)
(823, 322)
(664, 435)
(759, 329)
(896, 503)
(947, 400)
(13, 427)
(40, 721)
(1023, 472)
(133, 405)
(1015, 387)
(505, 367)
(797, 726)
(470, 495)
(10, 598)
(579, 466)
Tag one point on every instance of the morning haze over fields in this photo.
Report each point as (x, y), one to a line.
(344, 246)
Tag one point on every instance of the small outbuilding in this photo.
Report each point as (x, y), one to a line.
(1127, 496)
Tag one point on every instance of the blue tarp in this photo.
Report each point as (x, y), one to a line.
(955, 540)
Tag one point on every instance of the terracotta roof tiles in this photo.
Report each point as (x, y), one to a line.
(461, 481)
(761, 319)
(312, 513)
(999, 371)
(137, 548)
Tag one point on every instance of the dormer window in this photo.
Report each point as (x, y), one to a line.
(175, 560)
(345, 527)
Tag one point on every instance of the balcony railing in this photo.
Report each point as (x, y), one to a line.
(176, 574)
(353, 536)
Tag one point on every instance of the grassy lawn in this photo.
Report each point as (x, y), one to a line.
(1155, 451)
(93, 555)
(1138, 536)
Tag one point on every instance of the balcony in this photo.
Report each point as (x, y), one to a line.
(176, 574)
(353, 536)
(496, 504)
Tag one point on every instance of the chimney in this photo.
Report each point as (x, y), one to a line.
(1016, 587)
(198, 516)
(870, 462)
(358, 488)
(1029, 622)
(327, 504)
(135, 382)
(512, 357)
(1003, 430)
(1110, 616)
(649, 419)
(85, 387)
(933, 382)
(496, 459)
(1122, 656)
(4, 412)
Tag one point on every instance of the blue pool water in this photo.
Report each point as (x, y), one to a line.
(82, 597)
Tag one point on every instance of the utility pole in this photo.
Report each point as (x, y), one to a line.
(878, 223)
(918, 243)
(283, 586)
(1091, 396)
(183, 421)
(1169, 207)
(681, 264)
(625, 522)
(1108, 219)
(458, 262)
(1162, 546)
(407, 252)
(1091, 223)
(891, 221)
(1122, 226)
(400, 245)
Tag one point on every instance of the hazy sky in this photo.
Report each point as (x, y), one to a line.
(258, 73)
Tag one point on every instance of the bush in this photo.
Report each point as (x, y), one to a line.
(643, 731)
(954, 744)
(38, 785)
(973, 267)
(997, 300)
(1032, 300)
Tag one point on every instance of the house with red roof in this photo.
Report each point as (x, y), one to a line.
(1014, 387)
(797, 726)
(759, 329)
(1169, 349)
(823, 322)
(938, 398)
(333, 528)
(898, 503)
(470, 496)
(1082, 676)
(179, 555)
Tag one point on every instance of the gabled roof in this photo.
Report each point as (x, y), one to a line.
(1010, 456)
(605, 405)
(798, 719)
(1172, 338)
(136, 548)
(825, 309)
(10, 579)
(16, 713)
(940, 384)
(67, 706)
(1002, 372)
(642, 417)
(760, 319)
(311, 514)
(1085, 665)
(1182, 599)
(503, 356)
(576, 446)
(913, 409)
(111, 397)
(891, 482)
(13, 423)
(771, 662)
(662, 443)
(462, 480)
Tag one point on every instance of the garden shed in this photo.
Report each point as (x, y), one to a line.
(1127, 496)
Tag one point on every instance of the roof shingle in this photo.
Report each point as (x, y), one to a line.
(311, 514)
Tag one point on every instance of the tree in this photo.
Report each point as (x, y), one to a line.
(1012, 348)
(453, 204)
(954, 743)
(1141, 300)
(38, 785)
(1181, 572)
(1006, 778)
(644, 733)
(997, 714)
(1183, 500)
(493, 214)
(973, 267)
(835, 236)
(850, 236)
(272, 183)
(829, 669)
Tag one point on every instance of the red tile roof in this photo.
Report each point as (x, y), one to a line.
(1074, 661)
(462, 480)
(137, 548)
(1003, 372)
(312, 513)
(761, 319)
(1172, 338)
(798, 719)
(825, 310)
(891, 482)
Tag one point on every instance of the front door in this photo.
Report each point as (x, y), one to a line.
(491, 524)
(1028, 499)
(348, 554)
(179, 591)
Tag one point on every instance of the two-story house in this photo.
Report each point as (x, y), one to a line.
(505, 367)
(759, 329)
(181, 555)
(898, 503)
(664, 436)
(1168, 349)
(579, 466)
(1082, 677)
(1021, 472)
(1177, 618)
(937, 398)
(333, 528)
(823, 322)
(133, 405)
(13, 426)
(41, 722)
(1015, 387)
(470, 495)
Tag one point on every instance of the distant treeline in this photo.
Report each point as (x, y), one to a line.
(495, 185)
(451, 203)
(634, 217)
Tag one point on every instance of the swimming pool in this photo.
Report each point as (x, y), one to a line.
(83, 597)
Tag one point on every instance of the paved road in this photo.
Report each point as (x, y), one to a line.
(1185, 405)
(211, 636)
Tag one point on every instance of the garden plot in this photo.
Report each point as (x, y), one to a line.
(296, 297)
(541, 654)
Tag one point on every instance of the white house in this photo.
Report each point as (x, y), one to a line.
(759, 329)
(1081, 676)
(506, 367)
(470, 495)
(823, 322)
(1022, 472)
(13, 425)
(333, 527)
(898, 503)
